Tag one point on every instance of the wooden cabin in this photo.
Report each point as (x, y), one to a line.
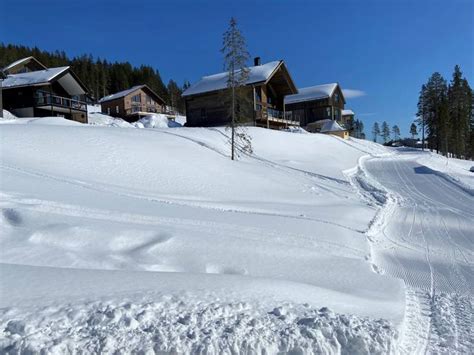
(316, 103)
(32, 90)
(208, 102)
(329, 126)
(347, 118)
(133, 103)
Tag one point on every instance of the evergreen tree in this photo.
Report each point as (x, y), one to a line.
(413, 130)
(385, 131)
(375, 131)
(236, 57)
(396, 132)
(459, 111)
(422, 114)
(435, 121)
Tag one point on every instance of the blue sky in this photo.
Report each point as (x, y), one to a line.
(386, 48)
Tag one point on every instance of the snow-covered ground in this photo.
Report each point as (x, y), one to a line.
(425, 236)
(123, 240)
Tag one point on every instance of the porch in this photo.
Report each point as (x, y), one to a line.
(54, 105)
(268, 116)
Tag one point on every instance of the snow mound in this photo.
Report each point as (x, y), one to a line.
(100, 119)
(156, 121)
(8, 116)
(184, 324)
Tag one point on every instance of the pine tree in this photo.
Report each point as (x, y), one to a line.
(236, 57)
(413, 130)
(459, 111)
(376, 131)
(396, 132)
(385, 131)
(422, 114)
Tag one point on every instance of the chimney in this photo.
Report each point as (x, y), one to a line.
(256, 61)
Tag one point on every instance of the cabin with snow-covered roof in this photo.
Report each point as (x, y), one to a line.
(316, 103)
(328, 126)
(133, 103)
(261, 103)
(30, 89)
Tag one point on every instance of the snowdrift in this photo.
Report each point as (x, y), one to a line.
(150, 215)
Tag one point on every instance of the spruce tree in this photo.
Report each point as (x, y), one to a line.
(236, 57)
(459, 111)
(385, 131)
(396, 132)
(375, 131)
(413, 130)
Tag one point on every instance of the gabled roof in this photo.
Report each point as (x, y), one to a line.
(347, 112)
(331, 126)
(124, 93)
(23, 61)
(312, 93)
(33, 77)
(257, 74)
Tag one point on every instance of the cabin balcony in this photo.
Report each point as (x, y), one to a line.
(139, 109)
(48, 101)
(267, 115)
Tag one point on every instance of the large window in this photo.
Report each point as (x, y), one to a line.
(137, 98)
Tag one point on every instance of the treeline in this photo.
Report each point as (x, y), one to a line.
(385, 132)
(445, 115)
(356, 129)
(100, 76)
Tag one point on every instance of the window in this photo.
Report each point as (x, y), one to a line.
(258, 94)
(137, 98)
(108, 110)
(328, 112)
(117, 109)
(149, 101)
(336, 97)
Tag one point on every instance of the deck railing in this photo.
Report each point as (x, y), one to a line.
(44, 98)
(143, 108)
(274, 115)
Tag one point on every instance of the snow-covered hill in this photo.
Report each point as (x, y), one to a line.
(117, 239)
(195, 251)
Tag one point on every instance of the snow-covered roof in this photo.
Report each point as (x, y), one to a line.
(33, 77)
(22, 60)
(259, 73)
(312, 93)
(331, 126)
(120, 94)
(347, 112)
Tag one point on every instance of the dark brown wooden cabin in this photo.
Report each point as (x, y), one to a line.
(133, 103)
(208, 101)
(32, 90)
(316, 103)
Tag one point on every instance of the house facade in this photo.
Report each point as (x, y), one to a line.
(347, 117)
(32, 90)
(133, 103)
(315, 103)
(208, 102)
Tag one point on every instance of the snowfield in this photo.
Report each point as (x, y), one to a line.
(153, 240)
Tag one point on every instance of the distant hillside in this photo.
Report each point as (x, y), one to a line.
(99, 75)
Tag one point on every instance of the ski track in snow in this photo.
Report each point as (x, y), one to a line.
(424, 236)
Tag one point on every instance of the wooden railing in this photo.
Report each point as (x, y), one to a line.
(44, 98)
(143, 108)
(265, 112)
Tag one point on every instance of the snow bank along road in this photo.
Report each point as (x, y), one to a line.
(425, 236)
(124, 239)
